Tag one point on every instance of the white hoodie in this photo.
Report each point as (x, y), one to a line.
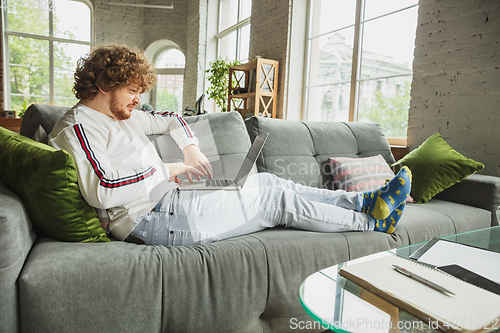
(117, 165)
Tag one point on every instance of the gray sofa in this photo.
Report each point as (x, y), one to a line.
(245, 284)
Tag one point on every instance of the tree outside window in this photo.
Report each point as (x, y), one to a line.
(42, 46)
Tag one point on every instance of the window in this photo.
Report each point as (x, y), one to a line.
(43, 42)
(233, 35)
(360, 62)
(170, 69)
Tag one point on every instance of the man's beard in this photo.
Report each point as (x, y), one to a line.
(114, 107)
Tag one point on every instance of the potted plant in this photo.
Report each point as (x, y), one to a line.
(218, 77)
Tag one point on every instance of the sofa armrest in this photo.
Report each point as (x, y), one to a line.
(41, 115)
(16, 239)
(480, 191)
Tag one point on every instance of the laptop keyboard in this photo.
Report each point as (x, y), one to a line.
(219, 182)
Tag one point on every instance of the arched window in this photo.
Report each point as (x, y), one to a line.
(42, 43)
(169, 65)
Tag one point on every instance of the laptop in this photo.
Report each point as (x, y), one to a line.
(241, 177)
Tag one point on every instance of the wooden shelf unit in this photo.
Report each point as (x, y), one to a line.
(253, 88)
(13, 124)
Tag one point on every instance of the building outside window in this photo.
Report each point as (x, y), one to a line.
(170, 69)
(43, 41)
(360, 56)
(233, 37)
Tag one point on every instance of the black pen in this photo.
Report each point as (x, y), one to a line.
(422, 280)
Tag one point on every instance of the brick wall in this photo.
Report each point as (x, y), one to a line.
(118, 24)
(194, 76)
(2, 104)
(456, 84)
(269, 38)
(140, 27)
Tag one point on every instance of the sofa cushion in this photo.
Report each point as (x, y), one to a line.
(16, 238)
(435, 166)
(41, 115)
(299, 151)
(98, 287)
(438, 218)
(225, 149)
(360, 174)
(45, 180)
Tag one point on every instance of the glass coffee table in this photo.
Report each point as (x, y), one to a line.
(340, 305)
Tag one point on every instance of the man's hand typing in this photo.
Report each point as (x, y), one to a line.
(195, 158)
(176, 169)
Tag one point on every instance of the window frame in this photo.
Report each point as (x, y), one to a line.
(237, 27)
(167, 71)
(356, 79)
(6, 33)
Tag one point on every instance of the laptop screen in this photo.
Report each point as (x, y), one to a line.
(251, 157)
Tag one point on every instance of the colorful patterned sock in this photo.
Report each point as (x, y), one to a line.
(383, 201)
(389, 224)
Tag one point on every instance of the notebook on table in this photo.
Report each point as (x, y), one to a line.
(470, 309)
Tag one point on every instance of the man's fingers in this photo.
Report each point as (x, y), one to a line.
(208, 168)
(193, 171)
(188, 177)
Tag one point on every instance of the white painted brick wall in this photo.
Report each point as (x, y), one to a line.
(118, 24)
(185, 25)
(456, 84)
(196, 51)
(269, 37)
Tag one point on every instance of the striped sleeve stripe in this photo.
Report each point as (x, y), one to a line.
(183, 123)
(96, 166)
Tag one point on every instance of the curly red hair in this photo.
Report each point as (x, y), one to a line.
(112, 67)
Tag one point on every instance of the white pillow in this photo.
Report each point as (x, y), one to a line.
(40, 135)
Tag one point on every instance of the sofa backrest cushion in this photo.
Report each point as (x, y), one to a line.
(299, 150)
(222, 136)
(45, 180)
(41, 115)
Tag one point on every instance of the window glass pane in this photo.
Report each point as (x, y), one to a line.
(25, 17)
(29, 71)
(227, 47)
(329, 103)
(387, 102)
(246, 9)
(65, 58)
(375, 8)
(172, 58)
(330, 15)
(169, 93)
(331, 58)
(387, 50)
(67, 24)
(244, 44)
(228, 14)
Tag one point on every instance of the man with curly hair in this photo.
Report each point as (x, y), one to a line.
(117, 165)
(118, 169)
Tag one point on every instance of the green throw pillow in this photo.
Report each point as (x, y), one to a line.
(45, 180)
(435, 166)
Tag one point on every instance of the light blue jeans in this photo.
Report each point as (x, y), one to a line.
(266, 201)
